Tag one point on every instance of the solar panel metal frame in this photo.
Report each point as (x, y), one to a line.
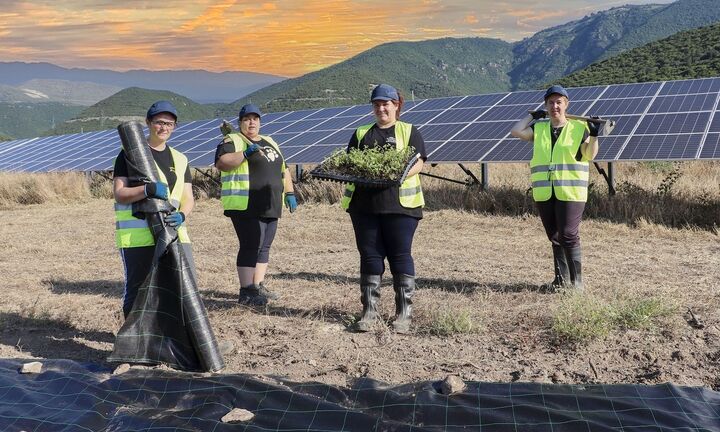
(457, 129)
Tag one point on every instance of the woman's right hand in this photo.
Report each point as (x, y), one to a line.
(251, 150)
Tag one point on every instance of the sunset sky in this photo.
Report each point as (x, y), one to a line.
(283, 37)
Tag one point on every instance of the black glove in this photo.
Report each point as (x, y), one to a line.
(593, 127)
(539, 114)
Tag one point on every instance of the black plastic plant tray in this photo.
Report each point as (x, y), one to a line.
(359, 181)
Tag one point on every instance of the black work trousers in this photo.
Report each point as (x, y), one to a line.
(561, 220)
(380, 236)
(255, 235)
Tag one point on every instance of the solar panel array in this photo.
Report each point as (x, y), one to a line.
(669, 120)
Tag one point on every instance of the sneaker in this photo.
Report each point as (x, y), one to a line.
(251, 296)
(266, 292)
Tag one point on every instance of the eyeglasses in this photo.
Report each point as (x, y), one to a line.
(161, 123)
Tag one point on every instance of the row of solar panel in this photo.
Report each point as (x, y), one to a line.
(661, 120)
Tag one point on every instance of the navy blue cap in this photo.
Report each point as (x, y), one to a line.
(556, 89)
(249, 109)
(384, 92)
(161, 107)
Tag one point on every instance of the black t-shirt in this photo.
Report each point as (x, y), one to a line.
(555, 133)
(266, 181)
(383, 200)
(164, 161)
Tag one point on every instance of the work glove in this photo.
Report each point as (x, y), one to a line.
(594, 128)
(539, 114)
(175, 219)
(251, 150)
(156, 190)
(290, 201)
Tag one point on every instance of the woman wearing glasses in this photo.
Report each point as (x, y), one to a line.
(137, 244)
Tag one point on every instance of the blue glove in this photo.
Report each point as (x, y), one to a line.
(175, 219)
(290, 201)
(251, 150)
(156, 190)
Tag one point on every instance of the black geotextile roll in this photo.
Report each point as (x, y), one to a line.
(168, 323)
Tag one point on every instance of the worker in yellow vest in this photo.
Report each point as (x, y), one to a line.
(385, 219)
(132, 235)
(560, 173)
(255, 184)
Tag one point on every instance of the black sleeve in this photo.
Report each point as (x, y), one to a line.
(223, 148)
(578, 156)
(417, 141)
(120, 168)
(188, 176)
(353, 142)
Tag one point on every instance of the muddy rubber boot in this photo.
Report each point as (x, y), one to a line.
(404, 288)
(574, 259)
(562, 271)
(266, 292)
(251, 296)
(369, 297)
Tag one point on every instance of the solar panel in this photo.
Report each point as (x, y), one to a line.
(654, 121)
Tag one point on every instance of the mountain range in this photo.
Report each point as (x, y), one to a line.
(435, 68)
(447, 67)
(199, 85)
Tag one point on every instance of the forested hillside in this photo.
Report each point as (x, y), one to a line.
(131, 103)
(689, 54)
(423, 69)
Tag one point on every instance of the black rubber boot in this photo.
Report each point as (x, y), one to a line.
(251, 296)
(562, 271)
(404, 288)
(266, 292)
(574, 259)
(369, 297)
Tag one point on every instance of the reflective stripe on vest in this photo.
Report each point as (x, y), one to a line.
(134, 232)
(555, 168)
(235, 192)
(410, 191)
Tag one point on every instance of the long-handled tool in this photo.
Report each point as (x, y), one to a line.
(607, 124)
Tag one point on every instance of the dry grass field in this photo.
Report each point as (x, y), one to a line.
(650, 314)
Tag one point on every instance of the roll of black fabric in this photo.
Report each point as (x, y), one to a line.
(168, 323)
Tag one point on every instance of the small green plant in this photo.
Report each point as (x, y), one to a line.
(446, 322)
(581, 318)
(377, 163)
(641, 313)
(670, 179)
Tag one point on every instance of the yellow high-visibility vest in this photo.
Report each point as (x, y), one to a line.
(235, 192)
(132, 232)
(410, 191)
(556, 167)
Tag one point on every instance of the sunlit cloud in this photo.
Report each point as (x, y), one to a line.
(282, 37)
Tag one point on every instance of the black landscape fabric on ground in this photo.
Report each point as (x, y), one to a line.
(72, 396)
(168, 323)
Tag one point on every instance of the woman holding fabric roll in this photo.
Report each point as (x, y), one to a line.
(255, 184)
(559, 170)
(385, 219)
(133, 236)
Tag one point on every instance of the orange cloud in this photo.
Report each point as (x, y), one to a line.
(471, 19)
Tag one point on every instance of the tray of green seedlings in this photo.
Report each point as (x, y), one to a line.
(372, 167)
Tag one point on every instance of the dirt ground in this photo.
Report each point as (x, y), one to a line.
(61, 282)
